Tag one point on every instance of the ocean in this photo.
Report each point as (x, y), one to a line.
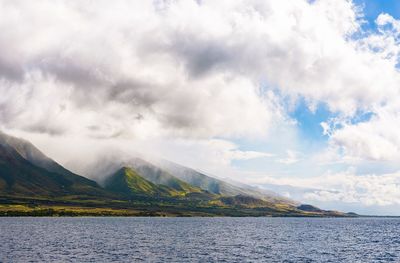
(96, 239)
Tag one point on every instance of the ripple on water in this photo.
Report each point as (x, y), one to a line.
(199, 239)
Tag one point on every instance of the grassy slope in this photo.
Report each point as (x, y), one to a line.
(158, 176)
(19, 176)
(33, 155)
(218, 186)
(129, 182)
(126, 181)
(60, 207)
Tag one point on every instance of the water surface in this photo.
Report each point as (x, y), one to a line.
(199, 240)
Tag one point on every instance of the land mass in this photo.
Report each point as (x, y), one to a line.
(32, 184)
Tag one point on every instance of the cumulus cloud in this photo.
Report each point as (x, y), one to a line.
(132, 68)
(374, 138)
(341, 188)
(370, 189)
(186, 68)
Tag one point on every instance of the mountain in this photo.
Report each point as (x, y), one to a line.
(20, 177)
(108, 164)
(171, 174)
(24, 170)
(32, 154)
(135, 181)
(126, 181)
(33, 184)
(158, 176)
(218, 186)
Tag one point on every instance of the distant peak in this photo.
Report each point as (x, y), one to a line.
(124, 169)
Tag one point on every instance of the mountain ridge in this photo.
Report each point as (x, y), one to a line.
(219, 186)
(156, 171)
(21, 162)
(128, 182)
(32, 154)
(29, 181)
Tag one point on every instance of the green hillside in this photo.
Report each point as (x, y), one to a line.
(159, 176)
(33, 155)
(19, 176)
(218, 186)
(128, 182)
(31, 184)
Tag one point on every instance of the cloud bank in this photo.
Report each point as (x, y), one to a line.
(186, 68)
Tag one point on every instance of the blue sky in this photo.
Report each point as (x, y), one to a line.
(372, 8)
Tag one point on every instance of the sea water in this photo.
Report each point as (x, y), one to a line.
(109, 239)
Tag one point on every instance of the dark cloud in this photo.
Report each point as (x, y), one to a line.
(82, 74)
(43, 127)
(202, 57)
(136, 93)
(10, 71)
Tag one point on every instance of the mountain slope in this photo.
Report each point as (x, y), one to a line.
(218, 186)
(24, 170)
(107, 165)
(20, 177)
(177, 176)
(33, 184)
(127, 181)
(158, 176)
(32, 154)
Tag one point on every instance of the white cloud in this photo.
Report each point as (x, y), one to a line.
(291, 158)
(368, 190)
(125, 69)
(183, 68)
(374, 139)
(343, 188)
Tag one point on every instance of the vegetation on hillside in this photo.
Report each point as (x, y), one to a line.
(31, 184)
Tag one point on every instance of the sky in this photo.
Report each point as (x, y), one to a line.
(300, 97)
